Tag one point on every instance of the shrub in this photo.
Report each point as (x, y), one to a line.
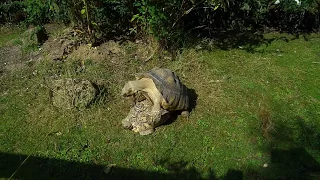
(164, 19)
(287, 15)
(96, 18)
(37, 11)
(11, 11)
(168, 21)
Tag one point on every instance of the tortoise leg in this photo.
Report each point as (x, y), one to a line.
(185, 114)
(131, 118)
(156, 106)
(127, 124)
(143, 129)
(146, 132)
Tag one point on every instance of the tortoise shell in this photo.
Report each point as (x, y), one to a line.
(169, 85)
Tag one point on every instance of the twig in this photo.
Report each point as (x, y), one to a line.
(25, 160)
(87, 16)
(146, 60)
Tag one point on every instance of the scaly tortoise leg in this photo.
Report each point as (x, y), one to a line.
(143, 129)
(185, 114)
(156, 107)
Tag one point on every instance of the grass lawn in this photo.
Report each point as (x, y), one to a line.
(10, 33)
(257, 117)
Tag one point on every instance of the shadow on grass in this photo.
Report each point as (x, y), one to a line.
(289, 148)
(285, 164)
(45, 168)
(247, 40)
(102, 94)
(293, 145)
(295, 163)
(298, 133)
(292, 163)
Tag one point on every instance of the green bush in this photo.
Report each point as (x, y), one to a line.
(168, 21)
(97, 18)
(37, 11)
(291, 17)
(241, 15)
(11, 11)
(164, 19)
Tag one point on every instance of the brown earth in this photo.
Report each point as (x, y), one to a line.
(65, 44)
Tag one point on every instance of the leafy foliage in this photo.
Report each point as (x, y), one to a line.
(168, 21)
(11, 11)
(37, 11)
(283, 15)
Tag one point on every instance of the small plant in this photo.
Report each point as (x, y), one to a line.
(37, 12)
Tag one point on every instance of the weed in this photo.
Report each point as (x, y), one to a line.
(267, 125)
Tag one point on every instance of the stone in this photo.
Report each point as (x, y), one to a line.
(71, 93)
(141, 119)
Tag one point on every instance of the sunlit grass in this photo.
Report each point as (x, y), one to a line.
(8, 34)
(224, 132)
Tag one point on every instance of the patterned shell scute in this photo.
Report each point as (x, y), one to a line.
(171, 88)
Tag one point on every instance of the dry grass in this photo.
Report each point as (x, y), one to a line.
(267, 124)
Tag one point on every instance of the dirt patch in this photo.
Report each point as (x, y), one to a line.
(109, 50)
(58, 49)
(144, 51)
(53, 29)
(11, 58)
(69, 44)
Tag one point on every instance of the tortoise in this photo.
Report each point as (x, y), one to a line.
(163, 88)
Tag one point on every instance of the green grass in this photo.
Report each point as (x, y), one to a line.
(224, 136)
(9, 34)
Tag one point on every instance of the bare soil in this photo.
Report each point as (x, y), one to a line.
(11, 58)
(65, 44)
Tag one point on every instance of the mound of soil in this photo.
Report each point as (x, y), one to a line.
(105, 51)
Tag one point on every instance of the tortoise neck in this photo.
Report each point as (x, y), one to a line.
(141, 84)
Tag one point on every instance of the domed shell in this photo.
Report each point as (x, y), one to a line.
(170, 86)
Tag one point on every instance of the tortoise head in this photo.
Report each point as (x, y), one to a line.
(127, 90)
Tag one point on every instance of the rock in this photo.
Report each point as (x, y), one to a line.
(141, 119)
(72, 93)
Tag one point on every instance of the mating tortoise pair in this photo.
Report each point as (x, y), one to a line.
(155, 93)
